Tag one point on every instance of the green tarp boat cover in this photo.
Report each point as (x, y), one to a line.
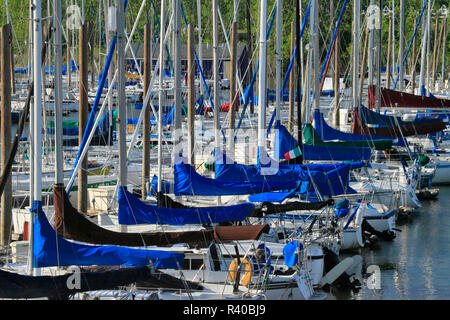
(313, 138)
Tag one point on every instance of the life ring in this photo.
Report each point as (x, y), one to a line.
(232, 271)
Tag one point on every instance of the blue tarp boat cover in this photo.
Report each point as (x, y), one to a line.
(271, 196)
(133, 211)
(50, 249)
(328, 179)
(328, 133)
(188, 182)
(287, 143)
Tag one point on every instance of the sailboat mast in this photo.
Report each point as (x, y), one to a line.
(299, 72)
(262, 79)
(423, 53)
(356, 21)
(370, 48)
(121, 100)
(37, 121)
(59, 173)
(379, 51)
(216, 77)
(428, 47)
(316, 54)
(279, 60)
(402, 45)
(161, 91)
(177, 71)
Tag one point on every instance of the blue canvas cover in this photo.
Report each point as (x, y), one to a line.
(188, 182)
(50, 249)
(227, 169)
(328, 133)
(328, 179)
(286, 141)
(271, 196)
(133, 211)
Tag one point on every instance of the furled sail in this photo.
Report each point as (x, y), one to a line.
(396, 99)
(268, 208)
(188, 182)
(133, 211)
(327, 133)
(312, 138)
(371, 123)
(328, 179)
(287, 143)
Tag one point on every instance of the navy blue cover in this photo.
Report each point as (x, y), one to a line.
(133, 211)
(188, 182)
(328, 133)
(328, 179)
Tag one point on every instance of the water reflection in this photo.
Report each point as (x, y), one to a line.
(416, 264)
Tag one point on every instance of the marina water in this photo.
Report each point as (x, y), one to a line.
(416, 264)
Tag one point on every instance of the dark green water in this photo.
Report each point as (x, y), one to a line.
(416, 264)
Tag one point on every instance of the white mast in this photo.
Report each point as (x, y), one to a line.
(161, 92)
(423, 53)
(121, 99)
(279, 60)
(428, 47)
(393, 67)
(262, 80)
(370, 49)
(177, 71)
(402, 45)
(37, 121)
(216, 77)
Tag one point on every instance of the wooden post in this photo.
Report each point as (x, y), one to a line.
(146, 120)
(292, 84)
(363, 65)
(388, 57)
(83, 112)
(191, 95)
(413, 64)
(5, 91)
(233, 91)
(336, 82)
